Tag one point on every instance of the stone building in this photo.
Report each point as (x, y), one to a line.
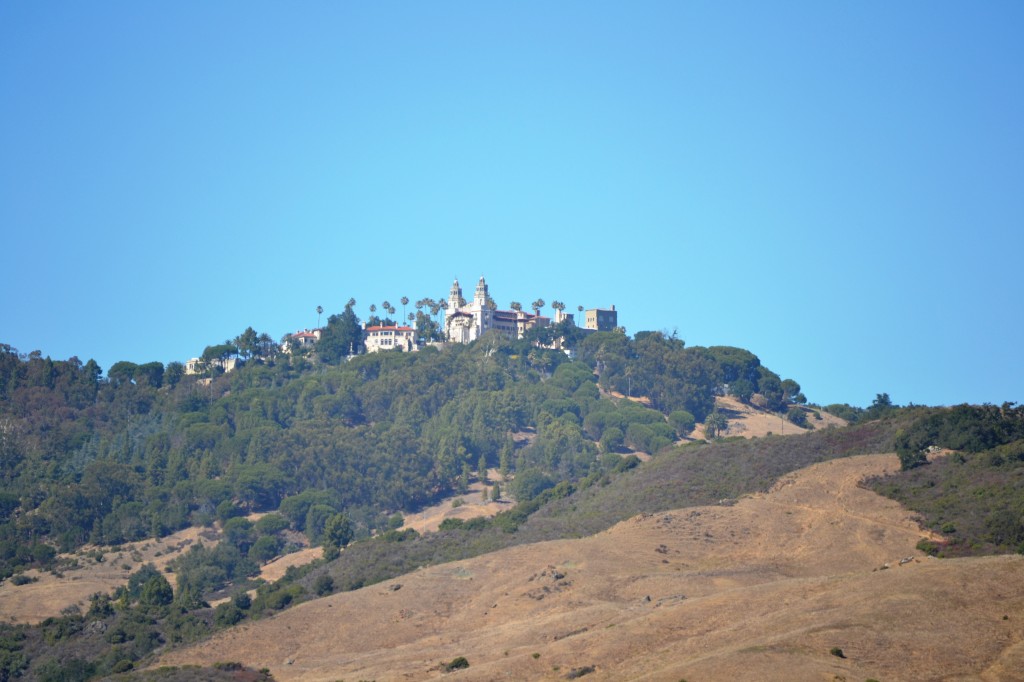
(468, 321)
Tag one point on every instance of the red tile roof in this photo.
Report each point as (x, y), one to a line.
(396, 329)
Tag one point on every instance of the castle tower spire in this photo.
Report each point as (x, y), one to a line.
(480, 296)
(455, 296)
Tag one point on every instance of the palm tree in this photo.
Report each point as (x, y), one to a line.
(442, 305)
(715, 424)
(405, 302)
(516, 306)
(319, 312)
(537, 305)
(373, 310)
(351, 303)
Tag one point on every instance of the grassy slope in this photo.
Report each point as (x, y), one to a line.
(681, 477)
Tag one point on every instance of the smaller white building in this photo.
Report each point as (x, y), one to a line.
(388, 338)
(197, 366)
(301, 339)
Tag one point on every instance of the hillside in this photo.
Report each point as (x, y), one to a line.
(763, 589)
(364, 459)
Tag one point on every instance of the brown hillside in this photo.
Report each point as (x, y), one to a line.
(81, 575)
(762, 590)
(749, 421)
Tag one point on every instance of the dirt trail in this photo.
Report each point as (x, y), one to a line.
(761, 590)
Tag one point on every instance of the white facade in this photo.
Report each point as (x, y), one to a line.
(388, 338)
(197, 366)
(468, 322)
(306, 337)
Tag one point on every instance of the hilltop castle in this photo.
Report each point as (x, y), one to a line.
(466, 322)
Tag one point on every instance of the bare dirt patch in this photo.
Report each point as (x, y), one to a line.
(471, 505)
(275, 570)
(762, 590)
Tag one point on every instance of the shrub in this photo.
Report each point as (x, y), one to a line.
(265, 548)
(242, 600)
(323, 585)
(122, 666)
(451, 524)
(271, 524)
(457, 663)
(797, 416)
(227, 614)
(530, 483)
(837, 652)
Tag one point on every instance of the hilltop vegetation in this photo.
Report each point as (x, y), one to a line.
(150, 450)
(974, 496)
(334, 446)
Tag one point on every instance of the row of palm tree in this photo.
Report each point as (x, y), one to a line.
(436, 306)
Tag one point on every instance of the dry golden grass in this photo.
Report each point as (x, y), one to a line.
(34, 602)
(472, 506)
(751, 422)
(761, 590)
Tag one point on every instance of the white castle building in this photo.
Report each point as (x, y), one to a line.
(468, 321)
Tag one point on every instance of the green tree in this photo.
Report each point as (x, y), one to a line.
(770, 388)
(265, 548)
(247, 342)
(742, 390)
(612, 439)
(121, 372)
(505, 458)
(149, 374)
(174, 373)
(481, 468)
(342, 337)
(319, 312)
(156, 592)
(790, 390)
(316, 522)
(682, 422)
(239, 532)
(529, 483)
(797, 416)
(715, 424)
(337, 531)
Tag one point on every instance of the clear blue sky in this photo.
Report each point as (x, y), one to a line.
(838, 187)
